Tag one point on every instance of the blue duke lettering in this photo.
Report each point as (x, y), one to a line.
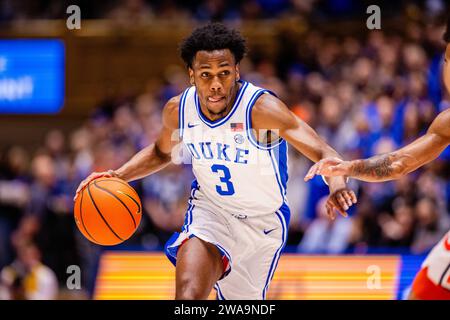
(218, 151)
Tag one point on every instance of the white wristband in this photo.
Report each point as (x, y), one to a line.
(325, 180)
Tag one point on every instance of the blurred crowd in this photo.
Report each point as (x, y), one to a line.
(133, 12)
(365, 96)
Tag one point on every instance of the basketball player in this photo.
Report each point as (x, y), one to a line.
(237, 219)
(433, 280)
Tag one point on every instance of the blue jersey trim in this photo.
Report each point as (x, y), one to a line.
(219, 292)
(284, 216)
(188, 217)
(279, 163)
(282, 192)
(279, 155)
(181, 113)
(224, 252)
(168, 252)
(216, 123)
(230, 262)
(248, 118)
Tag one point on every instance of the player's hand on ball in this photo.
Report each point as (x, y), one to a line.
(93, 176)
(340, 201)
(329, 167)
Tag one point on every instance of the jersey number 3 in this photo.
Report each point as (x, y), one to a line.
(228, 188)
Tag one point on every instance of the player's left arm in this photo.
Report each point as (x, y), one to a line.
(270, 113)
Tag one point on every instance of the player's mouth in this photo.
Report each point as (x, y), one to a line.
(215, 99)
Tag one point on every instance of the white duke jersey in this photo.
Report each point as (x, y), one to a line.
(233, 171)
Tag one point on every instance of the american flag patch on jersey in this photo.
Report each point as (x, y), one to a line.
(237, 126)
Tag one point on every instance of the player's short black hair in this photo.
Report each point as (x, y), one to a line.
(213, 36)
(447, 32)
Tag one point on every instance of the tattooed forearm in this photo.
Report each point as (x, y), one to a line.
(378, 166)
(383, 167)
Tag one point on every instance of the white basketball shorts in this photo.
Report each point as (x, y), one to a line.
(250, 246)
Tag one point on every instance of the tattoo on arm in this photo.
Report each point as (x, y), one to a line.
(384, 167)
(378, 166)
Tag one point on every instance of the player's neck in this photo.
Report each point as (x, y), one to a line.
(218, 116)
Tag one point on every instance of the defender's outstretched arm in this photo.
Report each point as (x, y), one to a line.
(395, 164)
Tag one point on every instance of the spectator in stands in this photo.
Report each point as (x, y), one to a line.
(397, 230)
(14, 196)
(27, 278)
(432, 225)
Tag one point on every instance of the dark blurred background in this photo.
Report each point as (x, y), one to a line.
(365, 91)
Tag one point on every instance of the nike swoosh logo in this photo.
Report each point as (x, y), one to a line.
(447, 242)
(190, 125)
(269, 231)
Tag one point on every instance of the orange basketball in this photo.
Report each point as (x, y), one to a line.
(108, 211)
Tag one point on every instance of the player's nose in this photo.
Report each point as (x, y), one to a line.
(216, 85)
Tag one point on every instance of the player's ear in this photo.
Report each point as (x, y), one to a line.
(191, 76)
(238, 75)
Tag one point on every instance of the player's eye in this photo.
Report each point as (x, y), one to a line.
(225, 73)
(204, 75)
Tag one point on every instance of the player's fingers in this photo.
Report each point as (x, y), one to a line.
(348, 198)
(333, 208)
(320, 165)
(97, 175)
(333, 212)
(86, 181)
(353, 196)
(91, 177)
(311, 173)
(339, 208)
(341, 200)
(80, 188)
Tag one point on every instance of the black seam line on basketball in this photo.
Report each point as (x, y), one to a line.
(121, 182)
(132, 199)
(120, 200)
(81, 217)
(443, 275)
(125, 184)
(103, 218)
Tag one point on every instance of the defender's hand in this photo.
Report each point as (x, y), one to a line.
(340, 200)
(329, 167)
(93, 176)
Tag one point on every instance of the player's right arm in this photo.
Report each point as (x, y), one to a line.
(153, 157)
(393, 165)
